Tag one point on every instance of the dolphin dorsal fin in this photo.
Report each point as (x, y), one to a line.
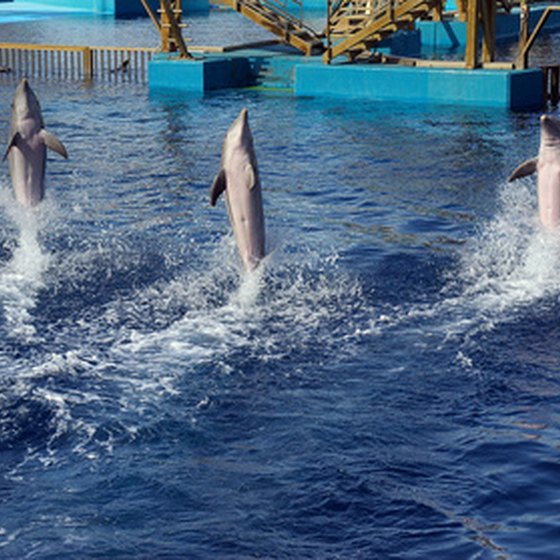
(218, 186)
(13, 142)
(53, 143)
(526, 168)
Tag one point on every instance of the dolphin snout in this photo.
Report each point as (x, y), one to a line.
(243, 115)
(550, 126)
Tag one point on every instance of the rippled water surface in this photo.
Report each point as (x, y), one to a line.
(386, 385)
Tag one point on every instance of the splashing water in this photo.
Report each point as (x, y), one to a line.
(269, 312)
(22, 277)
(510, 264)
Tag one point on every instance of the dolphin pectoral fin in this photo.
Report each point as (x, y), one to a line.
(218, 187)
(251, 176)
(526, 168)
(53, 143)
(13, 141)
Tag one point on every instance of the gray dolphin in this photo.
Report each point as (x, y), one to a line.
(547, 166)
(239, 178)
(28, 145)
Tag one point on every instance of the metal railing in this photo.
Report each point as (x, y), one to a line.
(75, 62)
(288, 9)
(353, 25)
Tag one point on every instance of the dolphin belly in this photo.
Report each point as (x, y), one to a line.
(548, 186)
(547, 167)
(27, 168)
(247, 220)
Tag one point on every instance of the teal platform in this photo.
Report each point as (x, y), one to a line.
(309, 77)
(509, 89)
(197, 76)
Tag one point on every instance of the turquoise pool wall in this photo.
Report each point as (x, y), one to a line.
(494, 88)
(117, 8)
(450, 34)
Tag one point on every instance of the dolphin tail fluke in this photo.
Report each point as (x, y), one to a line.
(13, 141)
(53, 143)
(218, 187)
(526, 168)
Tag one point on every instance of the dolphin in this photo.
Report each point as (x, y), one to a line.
(239, 178)
(547, 166)
(28, 145)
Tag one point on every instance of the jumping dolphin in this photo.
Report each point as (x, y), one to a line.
(239, 178)
(547, 166)
(28, 145)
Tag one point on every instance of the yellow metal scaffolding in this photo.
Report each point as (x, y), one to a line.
(169, 26)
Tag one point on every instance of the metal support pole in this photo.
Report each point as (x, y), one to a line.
(328, 52)
(462, 9)
(88, 63)
(522, 60)
(554, 85)
(150, 13)
(488, 16)
(172, 38)
(471, 51)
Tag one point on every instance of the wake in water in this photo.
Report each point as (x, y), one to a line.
(21, 277)
(510, 265)
(30, 414)
(288, 303)
(105, 363)
(513, 263)
(125, 328)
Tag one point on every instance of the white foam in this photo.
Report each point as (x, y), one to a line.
(22, 277)
(280, 307)
(513, 261)
(211, 314)
(509, 265)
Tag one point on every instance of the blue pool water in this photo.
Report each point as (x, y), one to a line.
(385, 386)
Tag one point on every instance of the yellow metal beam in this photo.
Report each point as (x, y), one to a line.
(522, 57)
(71, 48)
(462, 9)
(150, 13)
(488, 19)
(471, 50)
(437, 12)
(88, 63)
(523, 33)
(375, 27)
(170, 16)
